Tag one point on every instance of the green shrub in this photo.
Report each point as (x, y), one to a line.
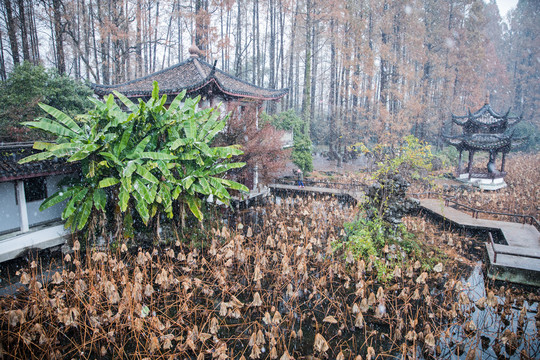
(531, 132)
(379, 225)
(302, 146)
(29, 85)
(145, 159)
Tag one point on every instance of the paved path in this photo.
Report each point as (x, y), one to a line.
(517, 261)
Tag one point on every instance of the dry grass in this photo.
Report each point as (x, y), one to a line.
(276, 290)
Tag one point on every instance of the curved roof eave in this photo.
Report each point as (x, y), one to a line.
(103, 90)
(476, 118)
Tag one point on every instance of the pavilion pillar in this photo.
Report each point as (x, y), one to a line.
(503, 161)
(23, 211)
(459, 162)
(469, 167)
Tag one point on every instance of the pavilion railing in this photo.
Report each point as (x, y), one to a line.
(520, 218)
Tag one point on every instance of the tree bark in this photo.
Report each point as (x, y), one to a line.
(24, 33)
(12, 32)
(290, 96)
(332, 93)
(58, 34)
(103, 43)
(2, 60)
(306, 99)
(238, 52)
(34, 43)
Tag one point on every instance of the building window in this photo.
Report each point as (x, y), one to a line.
(35, 189)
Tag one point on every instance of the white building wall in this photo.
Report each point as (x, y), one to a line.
(34, 215)
(9, 211)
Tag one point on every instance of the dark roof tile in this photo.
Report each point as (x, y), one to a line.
(10, 169)
(191, 75)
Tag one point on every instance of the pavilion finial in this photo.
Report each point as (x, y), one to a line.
(194, 51)
(487, 99)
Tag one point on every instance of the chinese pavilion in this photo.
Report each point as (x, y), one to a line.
(484, 130)
(197, 77)
(240, 98)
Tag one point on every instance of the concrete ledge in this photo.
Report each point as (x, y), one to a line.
(517, 250)
(18, 244)
(483, 183)
(515, 269)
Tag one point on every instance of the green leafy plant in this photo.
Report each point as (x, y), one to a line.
(302, 146)
(378, 225)
(29, 85)
(144, 158)
(411, 159)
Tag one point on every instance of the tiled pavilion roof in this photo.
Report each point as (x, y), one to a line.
(10, 169)
(485, 142)
(191, 75)
(485, 130)
(486, 116)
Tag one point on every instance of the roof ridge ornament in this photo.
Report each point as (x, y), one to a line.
(194, 51)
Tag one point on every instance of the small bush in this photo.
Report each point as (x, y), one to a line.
(302, 146)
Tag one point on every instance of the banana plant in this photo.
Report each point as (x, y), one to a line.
(145, 156)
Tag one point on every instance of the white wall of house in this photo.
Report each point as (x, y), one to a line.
(9, 210)
(34, 215)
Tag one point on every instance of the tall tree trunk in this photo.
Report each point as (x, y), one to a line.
(12, 32)
(2, 60)
(315, 61)
(199, 24)
(155, 37)
(77, 55)
(86, 35)
(126, 58)
(281, 46)
(103, 43)
(290, 96)
(272, 46)
(332, 93)
(24, 30)
(180, 37)
(238, 52)
(138, 40)
(254, 29)
(58, 34)
(34, 43)
(306, 99)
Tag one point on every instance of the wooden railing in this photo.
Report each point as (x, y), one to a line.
(492, 243)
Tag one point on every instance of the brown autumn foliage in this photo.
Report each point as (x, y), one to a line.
(522, 194)
(519, 197)
(377, 69)
(273, 290)
(261, 144)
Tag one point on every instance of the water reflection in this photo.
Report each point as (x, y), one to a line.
(503, 330)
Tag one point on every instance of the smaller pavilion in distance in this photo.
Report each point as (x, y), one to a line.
(489, 131)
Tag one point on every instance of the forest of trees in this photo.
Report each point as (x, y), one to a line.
(366, 70)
